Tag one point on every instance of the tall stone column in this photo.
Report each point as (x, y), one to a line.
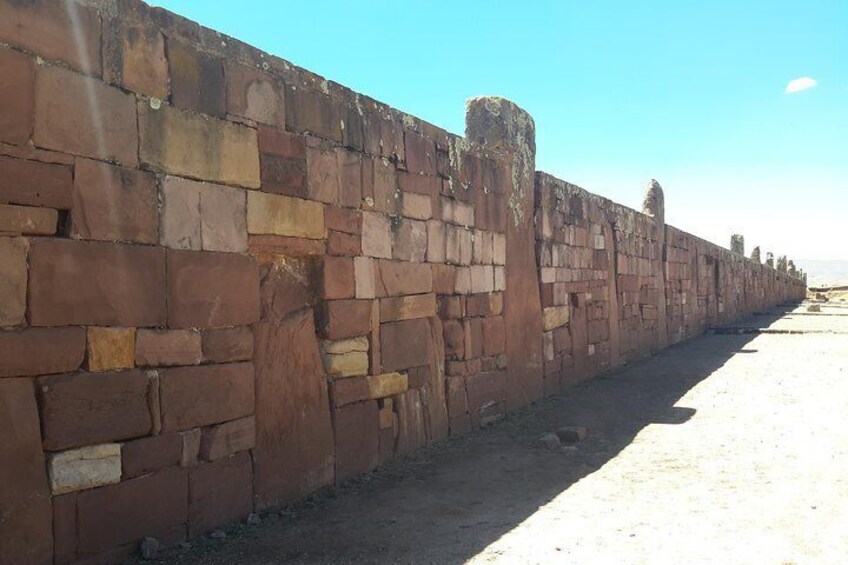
(737, 243)
(654, 206)
(499, 124)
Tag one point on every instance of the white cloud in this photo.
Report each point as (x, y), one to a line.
(800, 84)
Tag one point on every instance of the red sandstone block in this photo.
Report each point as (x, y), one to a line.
(254, 95)
(283, 245)
(41, 351)
(379, 183)
(25, 534)
(454, 336)
(341, 319)
(89, 408)
(478, 305)
(486, 396)
(205, 395)
(67, 121)
(64, 31)
(134, 57)
(219, 492)
(153, 505)
(227, 344)
(349, 177)
(405, 344)
(312, 112)
(92, 283)
(419, 184)
(27, 220)
(343, 244)
(322, 175)
(31, 183)
(197, 80)
(393, 278)
(349, 390)
(410, 240)
(208, 290)
(451, 307)
(114, 204)
(149, 454)
(420, 153)
(343, 220)
(357, 443)
(158, 348)
(444, 278)
(494, 336)
(282, 159)
(228, 438)
(337, 278)
(473, 338)
(562, 340)
(16, 96)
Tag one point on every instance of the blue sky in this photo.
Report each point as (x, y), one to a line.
(690, 93)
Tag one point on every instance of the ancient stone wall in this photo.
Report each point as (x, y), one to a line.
(226, 282)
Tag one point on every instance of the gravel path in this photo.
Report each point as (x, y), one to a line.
(724, 449)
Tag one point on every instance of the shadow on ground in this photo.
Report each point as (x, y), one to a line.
(448, 502)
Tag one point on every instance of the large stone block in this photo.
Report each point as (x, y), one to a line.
(114, 204)
(83, 116)
(407, 307)
(405, 344)
(149, 454)
(282, 215)
(197, 80)
(27, 220)
(341, 319)
(192, 145)
(254, 95)
(393, 278)
(312, 112)
(350, 177)
(157, 348)
(13, 282)
(68, 32)
(26, 534)
(282, 157)
(420, 153)
(205, 395)
(376, 235)
(134, 57)
(89, 408)
(223, 218)
(357, 444)
(386, 384)
(347, 364)
(110, 349)
(410, 241)
(227, 344)
(322, 175)
(338, 281)
(153, 505)
(32, 183)
(85, 468)
(16, 100)
(293, 428)
(208, 290)
(92, 283)
(180, 216)
(219, 492)
(41, 351)
(412, 432)
(228, 438)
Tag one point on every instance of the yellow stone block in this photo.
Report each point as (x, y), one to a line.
(110, 348)
(387, 384)
(275, 214)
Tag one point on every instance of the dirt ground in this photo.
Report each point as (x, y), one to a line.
(728, 448)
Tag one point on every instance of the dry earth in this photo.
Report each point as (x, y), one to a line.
(729, 448)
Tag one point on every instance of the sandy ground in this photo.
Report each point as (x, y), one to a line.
(724, 449)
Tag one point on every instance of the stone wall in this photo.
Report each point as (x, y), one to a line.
(226, 282)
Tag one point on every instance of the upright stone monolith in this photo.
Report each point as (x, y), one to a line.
(737, 243)
(770, 259)
(755, 254)
(654, 206)
(781, 263)
(500, 125)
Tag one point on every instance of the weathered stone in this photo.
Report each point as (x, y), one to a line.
(410, 241)
(456, 212)
(157, 348)
(345, 345)
(322, 175)
(412, 433)
(92, 283)
(554, 317)
(227, 344)
(13, 282)
(312, 112)
(407, 307)
(349, 390)
(41, 351)
(149, 548)
(223, 218)
(494, 336)
(16, 100)
(417, 206)
(458, 245)
(26, 535)
(228, 438)
(393, 278)
(337, 280)
(283, 162)
(114, 204)
(376, 235)
(737, 243)
(207, 290)
(293, 429)
(364, 277)
(209, 394)
(341, 319)
(343, 220)
(180, 219)
(387, 384)
(114, 407)
(18, 220)
(282, 215)
(755, 254)
(405, 344)
(343, 244)
(190, 452)
(197, 80)
(420, 153)
(654, 203)
(254, 95)
(192, 145)
(435, 241)
(219, 492)
(109, 349)
(83, 116)
(499, 249)
(349, 364)
(357, 445)
(349, 177)
(146, 455)
(31, 183)
(134, 57)
(85, 468)
(482, 278)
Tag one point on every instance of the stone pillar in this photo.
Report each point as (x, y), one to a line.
(654, 206)
(755, 254)
(781, 263)
(737, 243)
(500, 125)
(770, 259)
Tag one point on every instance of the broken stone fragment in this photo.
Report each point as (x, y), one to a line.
(550, 441)
(85, 468)
(571, 434)
(149, 548)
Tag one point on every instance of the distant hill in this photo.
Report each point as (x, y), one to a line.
(824, 273)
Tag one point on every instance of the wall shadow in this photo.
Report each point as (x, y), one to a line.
(448, 502)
